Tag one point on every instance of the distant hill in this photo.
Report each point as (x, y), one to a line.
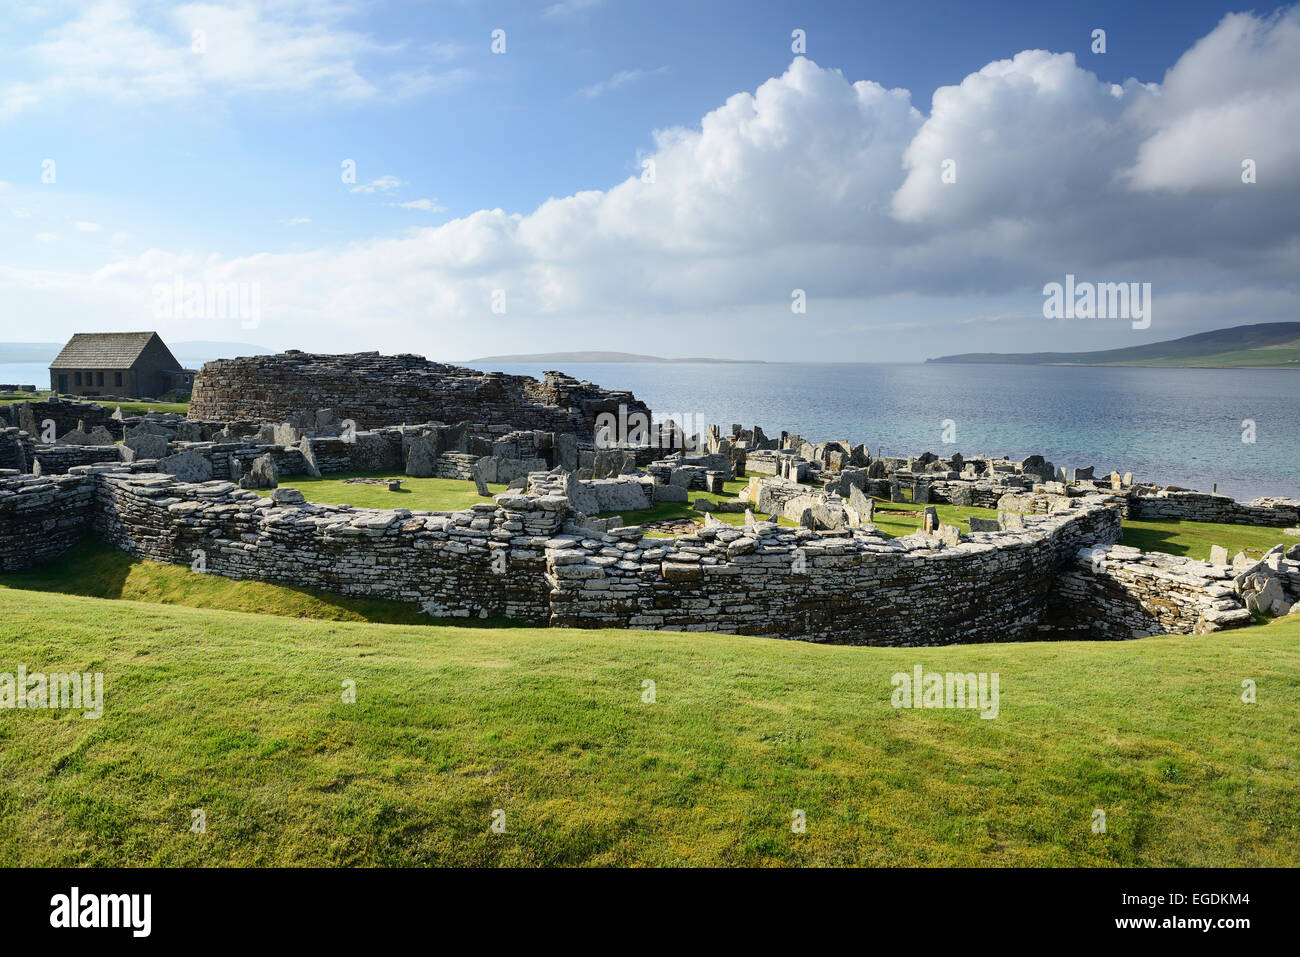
(1265, 345)
(595, 357)
(29, 351)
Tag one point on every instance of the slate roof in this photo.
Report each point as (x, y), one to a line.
(102, 350)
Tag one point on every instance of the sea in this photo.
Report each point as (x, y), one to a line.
(1237, 430)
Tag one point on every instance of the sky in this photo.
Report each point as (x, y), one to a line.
(838, 181)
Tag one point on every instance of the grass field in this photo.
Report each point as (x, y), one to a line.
(686, 510)
(97, 570)
(417, 494)
(128, 408)
(242, 716)
(1194, 539)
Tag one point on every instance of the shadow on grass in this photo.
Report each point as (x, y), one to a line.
(94, 569)
(1153, 540)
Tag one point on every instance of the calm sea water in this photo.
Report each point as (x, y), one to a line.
(1175, 426)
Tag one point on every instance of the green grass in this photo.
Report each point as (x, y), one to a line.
(1194, 539)
(417, 494)
(97, 570)
(1286, 356)
(241, 715)
(142, 408)
(893, 524)
(128, 408)
(663, 511)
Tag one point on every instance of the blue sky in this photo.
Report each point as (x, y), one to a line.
(223, 164)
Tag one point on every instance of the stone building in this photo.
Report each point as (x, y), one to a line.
(118, 363)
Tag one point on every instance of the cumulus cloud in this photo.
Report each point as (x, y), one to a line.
(1234, 96)
(834, 187)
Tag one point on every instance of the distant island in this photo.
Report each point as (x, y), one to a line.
(46, 351)
(1265, 345)
(598, 357)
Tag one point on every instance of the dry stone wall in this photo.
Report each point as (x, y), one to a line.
(1122, 592)
(42, 517)
(446, 562)
(16, 450)
(522, 557)
(854, 587)
(1190, 506)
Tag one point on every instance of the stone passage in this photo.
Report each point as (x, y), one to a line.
(375, 390)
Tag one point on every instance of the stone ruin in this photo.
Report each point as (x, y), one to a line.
(1049, 566)
(375, 391)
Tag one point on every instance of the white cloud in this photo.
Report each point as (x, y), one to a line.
(297, 221)
(86, 227)
(424, 205)
(1233, 96)
(619, 79)
(384, 184)
(569, 8)
(128, 50)
(814, 182)
(46, 238)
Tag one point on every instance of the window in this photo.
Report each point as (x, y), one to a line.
(99, 378)
(117, 378)
(78, 375)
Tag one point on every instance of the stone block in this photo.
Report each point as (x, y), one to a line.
(187, 466)
(671, 493)
(146, 445)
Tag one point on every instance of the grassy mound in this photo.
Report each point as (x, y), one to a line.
(242, 716)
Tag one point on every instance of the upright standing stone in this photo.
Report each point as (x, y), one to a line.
(862, 503)
(27, 420)
(421, 458)
(309, 457)
(566, 451)
(930, 519)
(1218, 555)
(261, 474)
(480, 486)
